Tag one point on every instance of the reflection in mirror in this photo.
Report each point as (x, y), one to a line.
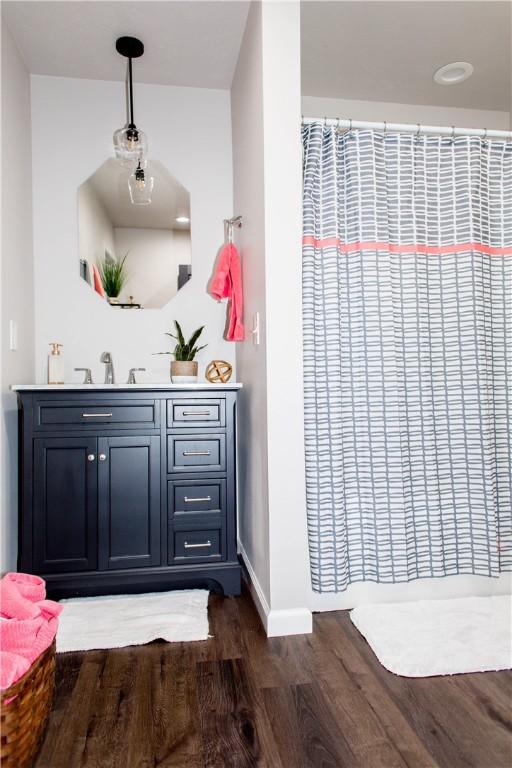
(134, 256)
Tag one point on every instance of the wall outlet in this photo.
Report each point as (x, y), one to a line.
(13, 335)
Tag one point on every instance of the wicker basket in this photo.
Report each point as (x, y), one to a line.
(23, 720)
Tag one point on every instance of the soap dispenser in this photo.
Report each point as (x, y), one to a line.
(55, 365)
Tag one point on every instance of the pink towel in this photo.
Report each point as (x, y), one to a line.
(226, 283)
(28, 624)
(98, 285)
(13, 667)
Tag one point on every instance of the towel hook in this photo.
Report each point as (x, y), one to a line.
(236, 221)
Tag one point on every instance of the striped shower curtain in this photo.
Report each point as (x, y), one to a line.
(407, 296)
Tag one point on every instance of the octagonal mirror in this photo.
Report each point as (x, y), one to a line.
(134, 255)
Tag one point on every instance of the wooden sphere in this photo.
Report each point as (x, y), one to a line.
(219, 372)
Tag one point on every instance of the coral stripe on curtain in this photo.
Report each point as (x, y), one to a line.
(407, 311)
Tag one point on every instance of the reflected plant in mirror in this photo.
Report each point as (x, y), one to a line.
(154, 238)
(113, 276)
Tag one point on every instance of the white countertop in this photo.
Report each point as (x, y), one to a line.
(113, 387)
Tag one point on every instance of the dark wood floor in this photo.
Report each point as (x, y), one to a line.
(240, 700)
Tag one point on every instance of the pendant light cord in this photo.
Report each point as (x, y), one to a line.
(130, 90)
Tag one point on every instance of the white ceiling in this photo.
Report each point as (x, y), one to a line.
(186, 43)
(388, 51)
(169, 199)
(382, 51)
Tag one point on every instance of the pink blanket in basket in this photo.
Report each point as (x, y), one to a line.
(28, 624)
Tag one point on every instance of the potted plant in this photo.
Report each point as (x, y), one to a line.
(184, 367)
(113, 276)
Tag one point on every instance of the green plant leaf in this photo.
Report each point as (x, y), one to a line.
(194, 352)
(113, 274)
(195, 336)
(185, 350)
(180, 337)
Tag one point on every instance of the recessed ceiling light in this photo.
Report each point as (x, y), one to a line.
(182, 219)
(454, 73)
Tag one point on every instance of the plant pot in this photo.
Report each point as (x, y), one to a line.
(183, 371)
(113, 299)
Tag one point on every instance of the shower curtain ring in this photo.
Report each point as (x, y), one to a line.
(453, 132)
(385, 127)
(418, 131)
(485, 135)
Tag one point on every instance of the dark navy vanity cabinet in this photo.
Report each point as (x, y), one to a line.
(128, 490)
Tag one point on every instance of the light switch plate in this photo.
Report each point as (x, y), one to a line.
(13, 335)
(256, 329)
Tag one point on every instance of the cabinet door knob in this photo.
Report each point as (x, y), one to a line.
(91, 457)
(102, 457)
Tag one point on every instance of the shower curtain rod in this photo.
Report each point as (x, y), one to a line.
(437, 130)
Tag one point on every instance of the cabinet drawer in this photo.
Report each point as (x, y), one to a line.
(206, 496)
(199, 413)
(196, 453)
(94, 414)
(197, 545)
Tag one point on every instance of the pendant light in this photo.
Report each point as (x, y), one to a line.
(140, 186)
(130, 143)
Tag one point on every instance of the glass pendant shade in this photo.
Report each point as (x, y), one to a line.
(130, 145)
(140, 186)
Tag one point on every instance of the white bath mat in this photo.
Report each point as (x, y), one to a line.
(439, 637)
(89, 623)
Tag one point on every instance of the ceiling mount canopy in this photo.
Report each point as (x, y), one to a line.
(130, 47)
(130, 143)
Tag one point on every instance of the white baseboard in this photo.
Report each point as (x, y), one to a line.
(290, 621)
(260, 601)
(293, 621)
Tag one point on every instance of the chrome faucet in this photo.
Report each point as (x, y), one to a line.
(131, 375)
(109, 367)
(87, 376)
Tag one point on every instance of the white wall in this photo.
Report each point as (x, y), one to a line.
(315, 106)
(267, 192)
(17, 285)
(249, 200)
(290, 575)
(152, 263)
(189, 131)
(95, 230)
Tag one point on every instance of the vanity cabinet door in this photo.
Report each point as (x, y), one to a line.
(65, 504)
(129, 502)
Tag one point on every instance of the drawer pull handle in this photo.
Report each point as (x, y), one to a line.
(196, 453)
(196, 413)
(90, 457)
(197, 546)
(199, 498)
(94, 415)
(103, 456)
